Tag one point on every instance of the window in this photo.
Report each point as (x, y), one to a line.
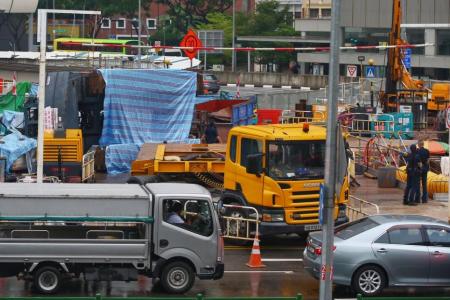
(191, 215)
(296, 160)
(416, 36)
(121, 23)
(354, 228)
(313, 12)
(106, 23)
(439, 236)
(405, 236)
(326, 12)
(384, 239)
(151, 23)
(233, 143)
(249, 146)
(443, 41)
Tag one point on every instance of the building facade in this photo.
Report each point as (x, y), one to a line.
(368, 22)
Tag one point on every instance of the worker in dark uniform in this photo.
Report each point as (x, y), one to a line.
(211, 136)
(412, 191)
(424, 155)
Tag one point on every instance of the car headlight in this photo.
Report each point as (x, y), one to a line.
(273, 217)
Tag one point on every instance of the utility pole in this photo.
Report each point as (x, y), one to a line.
(233, 54)
(326, 280)
(139, 34)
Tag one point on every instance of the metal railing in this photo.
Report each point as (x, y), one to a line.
(197, 297)
(233, 225)
(301, 116)
(87, 167)
(359, 209)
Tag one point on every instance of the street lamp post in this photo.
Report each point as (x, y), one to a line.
(139, 34)
(233, 55)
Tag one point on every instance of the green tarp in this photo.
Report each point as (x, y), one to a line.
(15, 103)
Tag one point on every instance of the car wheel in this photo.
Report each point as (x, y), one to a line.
(369, 280)
(177, 277)
(47, 280)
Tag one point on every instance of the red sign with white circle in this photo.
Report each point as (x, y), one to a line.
(190, 40)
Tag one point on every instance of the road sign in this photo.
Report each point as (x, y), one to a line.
(352, 71)
(407, 57)
(370, 72)
(361, 58)
(321, 203)
(190, 40)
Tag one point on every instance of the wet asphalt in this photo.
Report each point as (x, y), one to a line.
(283, 276)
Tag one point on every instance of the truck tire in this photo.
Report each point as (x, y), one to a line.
(47, 280)
(142, 180)
(177, 277)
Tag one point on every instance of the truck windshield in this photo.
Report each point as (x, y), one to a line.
(296, 160)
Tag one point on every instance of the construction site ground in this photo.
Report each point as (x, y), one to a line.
(390, 200)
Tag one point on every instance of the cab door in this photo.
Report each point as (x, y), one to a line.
(250, 185)
(439, 251)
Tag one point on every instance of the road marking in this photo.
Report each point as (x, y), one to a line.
(282, 259)
(283, 272)
(345, 299)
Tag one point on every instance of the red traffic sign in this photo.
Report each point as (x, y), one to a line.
(190, 40)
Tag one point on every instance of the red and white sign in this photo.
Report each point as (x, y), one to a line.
(191, 40)
(447, 119)
(352, 71)
(14, 87)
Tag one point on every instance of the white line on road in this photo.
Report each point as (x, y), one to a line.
(261, 271)
(282, 259)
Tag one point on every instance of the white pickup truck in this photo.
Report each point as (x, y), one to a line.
(109, 232)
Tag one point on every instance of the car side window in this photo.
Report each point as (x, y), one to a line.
(438, 236)
(384, 239)
(191, 215)
(233, 143)
(406, 236)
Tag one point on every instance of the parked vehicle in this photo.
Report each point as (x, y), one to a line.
(386, 250)
(109, 232)
(209, 83)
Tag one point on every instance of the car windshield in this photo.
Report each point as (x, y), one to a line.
(209, 77)
(296, 160)
(351, 229)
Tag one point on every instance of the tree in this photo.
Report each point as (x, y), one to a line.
(192, 13)
(109, 8)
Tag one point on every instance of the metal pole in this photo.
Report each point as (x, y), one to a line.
(41, 106)
(233, 54)
(54, 30)
(139, 34)
(30, 32)
(325, 292)
(248, 62)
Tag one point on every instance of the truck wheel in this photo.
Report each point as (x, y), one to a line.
(47, 280)
(177, 277)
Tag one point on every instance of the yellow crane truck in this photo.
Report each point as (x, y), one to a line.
(276, 169)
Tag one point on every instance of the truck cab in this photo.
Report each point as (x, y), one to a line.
(278, 170)
(168, 231)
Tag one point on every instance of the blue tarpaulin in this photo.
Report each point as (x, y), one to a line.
(15, 145)
(147, 106)
(118, 158)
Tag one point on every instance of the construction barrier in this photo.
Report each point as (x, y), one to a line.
(301, 116)
(361, 297)
(357, 208)
(197, 297)
(87, 168)
(234, 224)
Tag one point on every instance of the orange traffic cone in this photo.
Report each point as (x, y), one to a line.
(255, 256)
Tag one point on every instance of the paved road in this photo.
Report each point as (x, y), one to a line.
(283, 276)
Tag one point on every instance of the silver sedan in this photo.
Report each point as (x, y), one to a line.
(386, 250)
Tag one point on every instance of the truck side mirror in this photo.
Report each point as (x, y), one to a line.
(254, 164)
(220, 208)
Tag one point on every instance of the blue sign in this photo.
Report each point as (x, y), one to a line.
(370, 72)
(407, 57)
(321, 203)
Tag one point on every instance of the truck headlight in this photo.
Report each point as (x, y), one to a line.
(273, 217)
